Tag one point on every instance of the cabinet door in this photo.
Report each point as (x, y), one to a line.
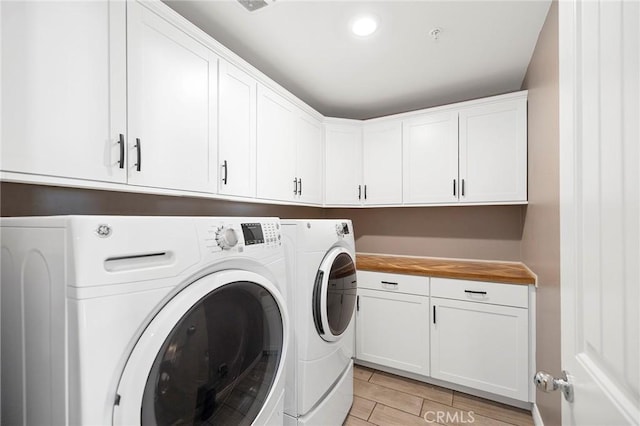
(276, 151)
(172, 105)
(343, 164)
(382, 163)
(309, 165)
(237, 132)
(392, 329)
(64, 88)
(481, 346)
(493, 152)
(430, 157)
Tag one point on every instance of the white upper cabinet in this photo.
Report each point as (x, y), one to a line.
(172, 99)
(126, 92)
(382, 162)
(343, 163)
(276, 148)
(64, 89)
(493, 152)
(237, 132)
(471, 153)
(476, 153)
(309, 165)
(430, 162)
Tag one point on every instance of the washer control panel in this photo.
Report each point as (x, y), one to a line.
(342, 229)
(229, 235)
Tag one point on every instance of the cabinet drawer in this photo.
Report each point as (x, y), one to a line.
(409, 284)
(479, 291)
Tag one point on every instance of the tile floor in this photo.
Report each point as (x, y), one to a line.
(385, 399)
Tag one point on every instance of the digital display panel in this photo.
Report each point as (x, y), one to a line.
(252, 233)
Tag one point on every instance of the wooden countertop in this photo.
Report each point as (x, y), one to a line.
(500, 272)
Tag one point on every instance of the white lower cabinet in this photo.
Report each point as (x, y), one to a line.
(469, 333)
(481, 346)
(392, 325)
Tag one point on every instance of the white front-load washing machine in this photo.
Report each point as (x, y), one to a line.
(321, 297)
(143, 320)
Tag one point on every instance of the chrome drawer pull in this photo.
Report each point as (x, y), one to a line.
(475, 292)
(389, 283)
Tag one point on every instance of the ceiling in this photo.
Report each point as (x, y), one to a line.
(483, 49)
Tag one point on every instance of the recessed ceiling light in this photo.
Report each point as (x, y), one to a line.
(364, 26)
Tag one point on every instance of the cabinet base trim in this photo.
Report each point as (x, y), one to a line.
(464, 389)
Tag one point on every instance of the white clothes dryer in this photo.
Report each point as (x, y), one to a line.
(321, 290)
(143, 320)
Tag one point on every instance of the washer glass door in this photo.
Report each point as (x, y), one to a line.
(217, 363)
(334, 297)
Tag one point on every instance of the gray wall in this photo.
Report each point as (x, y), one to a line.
(482, 232)
(487, 232)
(541, 236)
(36, 200)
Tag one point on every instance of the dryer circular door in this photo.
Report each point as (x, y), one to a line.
(212, 355)
(334, 294)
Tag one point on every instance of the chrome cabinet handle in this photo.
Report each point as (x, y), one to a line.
(359, 192)
(365, 192)
(476, 292)
(462, 189)
(454, 187)
(295, 186)
(138, 147)
(300, 189)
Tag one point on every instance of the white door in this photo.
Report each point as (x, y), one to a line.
(172, 98)
(276, 151)
(382, 162)
(309, 164)
(343, 164)
(493, 152)
(599, 183)
(64, 89)
(430, 158)
(237, 132)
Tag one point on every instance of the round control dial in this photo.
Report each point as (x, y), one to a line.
(226, 238)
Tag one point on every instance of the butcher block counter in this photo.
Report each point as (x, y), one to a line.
(498, 272)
